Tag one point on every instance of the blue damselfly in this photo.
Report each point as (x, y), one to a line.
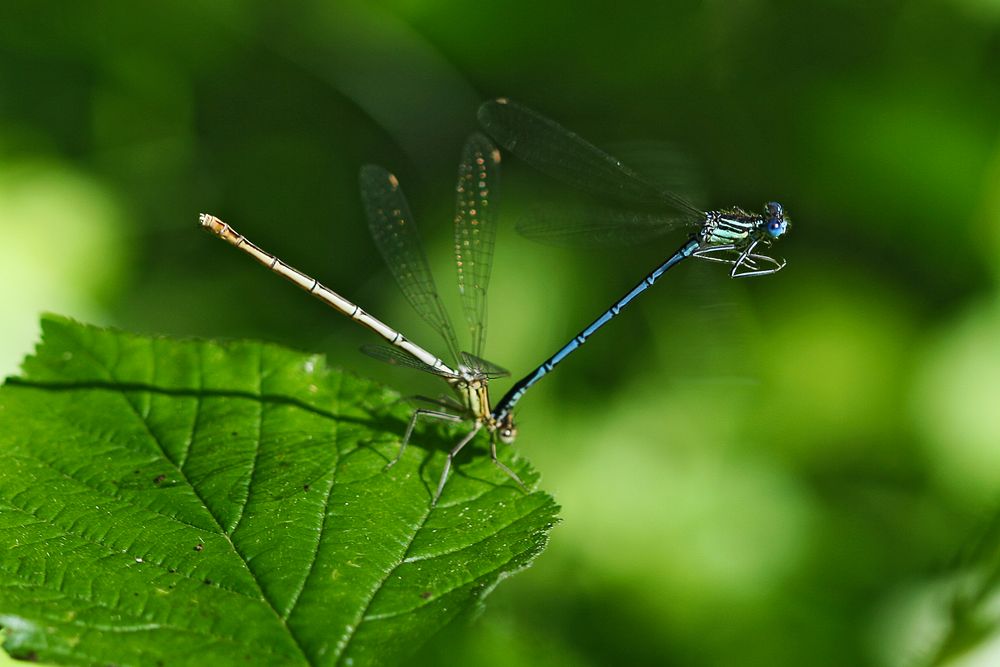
(731, 236)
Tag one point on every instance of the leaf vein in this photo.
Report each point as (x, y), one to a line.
(110, 549)
(294, 600)
(352, 630)
(432, 600)
(258, 443)
(107, 494)
(196, 417)
(486, 536)
(194, 490)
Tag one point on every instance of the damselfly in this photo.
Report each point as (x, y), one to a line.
(392, 228)
(731, 236)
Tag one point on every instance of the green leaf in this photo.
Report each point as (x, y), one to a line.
(194, 502)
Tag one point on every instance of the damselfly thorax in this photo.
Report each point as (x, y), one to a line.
(473, 401)
(733, 236)
(732, 225)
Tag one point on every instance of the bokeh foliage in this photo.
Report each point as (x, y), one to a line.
(766, 472)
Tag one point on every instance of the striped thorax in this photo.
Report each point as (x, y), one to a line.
(732, 226)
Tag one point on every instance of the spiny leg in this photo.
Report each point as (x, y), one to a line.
(776, 264)
(434, 414)
(744, 263)
(742, 260)
(451, 455)
(749, 259)
(500, 464)
(717, 253)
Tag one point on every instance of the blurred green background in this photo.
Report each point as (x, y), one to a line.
(779, 471)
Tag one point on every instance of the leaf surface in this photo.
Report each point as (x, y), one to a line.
(193, 502)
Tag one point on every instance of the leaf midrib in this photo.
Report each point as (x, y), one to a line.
(109, 374)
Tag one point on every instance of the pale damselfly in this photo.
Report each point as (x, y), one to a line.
(731, 236)
(395, 234)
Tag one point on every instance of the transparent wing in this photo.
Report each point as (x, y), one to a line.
(664, 165)
(483, 368)
(553, 149)
(475, 230)
(395, 234)
(397, 357)
(582, 225)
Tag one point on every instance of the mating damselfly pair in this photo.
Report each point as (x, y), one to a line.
(730, 236)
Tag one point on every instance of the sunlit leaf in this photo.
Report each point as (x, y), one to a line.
(192, 502)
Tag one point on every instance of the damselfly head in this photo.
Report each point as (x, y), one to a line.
(506, 429)
(776, 222)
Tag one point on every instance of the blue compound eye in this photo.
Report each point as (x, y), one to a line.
(775, 228)
(774, 209)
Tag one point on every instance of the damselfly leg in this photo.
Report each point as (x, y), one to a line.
(417, 414)
(743, 261)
